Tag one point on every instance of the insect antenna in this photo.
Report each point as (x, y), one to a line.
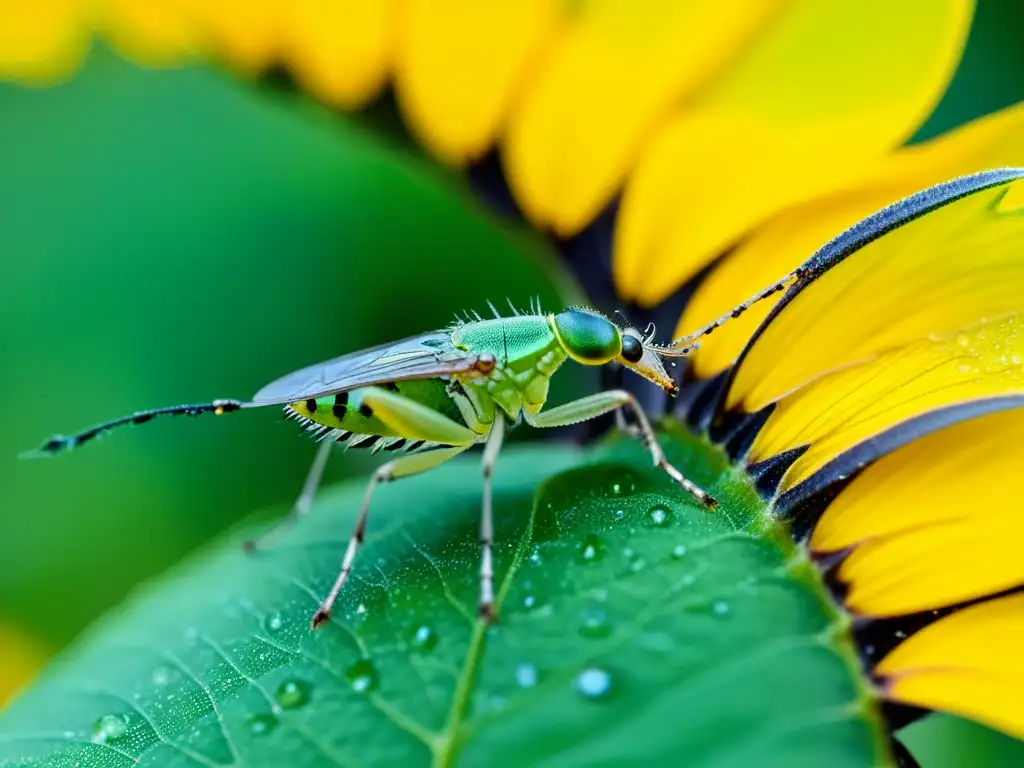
(684, 345)
(60, 443)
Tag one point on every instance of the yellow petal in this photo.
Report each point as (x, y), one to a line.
(964, 472)
(826, 88)
(244, 33)
(339, 50)
(789, 238)
(615, 73)
(968, 664)
(153, 33)
(944, 270)
(844, 408)
(42, 40)
(22, 658)
(461, 63)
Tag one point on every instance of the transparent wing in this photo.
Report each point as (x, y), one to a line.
(418, 357)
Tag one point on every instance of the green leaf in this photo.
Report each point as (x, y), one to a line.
(635, 628)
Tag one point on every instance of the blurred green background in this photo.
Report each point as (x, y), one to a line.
(173, 236)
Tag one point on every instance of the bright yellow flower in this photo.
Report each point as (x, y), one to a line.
(878, 405)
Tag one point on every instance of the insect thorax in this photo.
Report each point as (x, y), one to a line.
(527, 353)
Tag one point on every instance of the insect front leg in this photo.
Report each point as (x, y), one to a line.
(303, 503)
(591, 407)
(403, 467)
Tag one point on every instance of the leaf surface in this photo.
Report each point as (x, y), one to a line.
(635, 628)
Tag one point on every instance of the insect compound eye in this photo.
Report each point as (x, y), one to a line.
(632, 348)
(588, 337)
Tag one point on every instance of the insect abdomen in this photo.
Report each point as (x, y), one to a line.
(347, 419)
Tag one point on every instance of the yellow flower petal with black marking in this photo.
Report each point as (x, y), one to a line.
(780, 245)
(969, 664)
(952, 258)
(936, 522)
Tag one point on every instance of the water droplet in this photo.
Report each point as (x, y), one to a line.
(637, 565)
(620, 514)
(274, 623)
(628, 553)
(526, 675)
(360, 610)
(720, 608)
(164, 675)
(529, 601)
(660, 516)
(535, 557)
(292, 694)
(362, 675)
(964, 368)
(622, 485)
(594, 622)
(261, 725)
(109, 728)
(424, 638)
(678, 551)
(591, 549)
(594, 683)
(962, 339)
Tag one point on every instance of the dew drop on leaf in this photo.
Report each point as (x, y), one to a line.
(529, 601)
(526, 675)
(621, 484)
(660, 516)
(292, 694)
(594, 621)
(261, 725)
(274, 623)
(109, 728)
(164, 675)
(594, 683)
(362, 676)
(591, 549)
(424, 638)
(679, 551)
(720, 608)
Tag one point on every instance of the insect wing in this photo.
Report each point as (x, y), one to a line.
(418, 357)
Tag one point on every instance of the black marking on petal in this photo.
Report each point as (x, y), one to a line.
(365, 411)
(740, 430)
(768, 474)
(695, 404)
(805, 515)
(870, 450)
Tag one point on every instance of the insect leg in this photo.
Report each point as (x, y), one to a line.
(305, 500)
(591, 407)
(403, 467)
(491, 451)
(415, 421)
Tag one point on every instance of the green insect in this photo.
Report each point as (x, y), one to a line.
(428, 398)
